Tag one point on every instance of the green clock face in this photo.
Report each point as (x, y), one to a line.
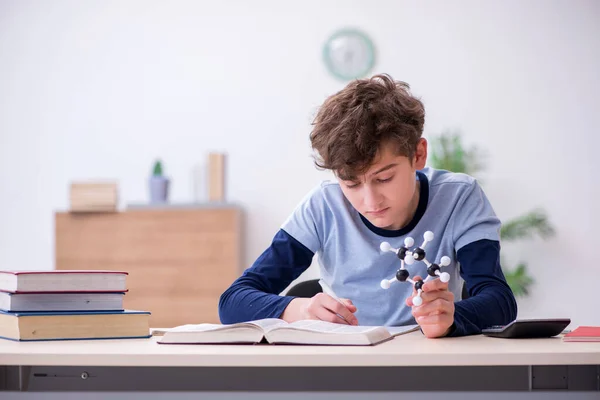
(349, 54)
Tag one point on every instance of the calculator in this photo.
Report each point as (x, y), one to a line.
(528, 328)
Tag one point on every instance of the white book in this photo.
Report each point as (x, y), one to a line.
(63, 281)
(14, 302)
(278, 331)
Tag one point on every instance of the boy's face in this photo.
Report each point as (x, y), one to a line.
(386, 194)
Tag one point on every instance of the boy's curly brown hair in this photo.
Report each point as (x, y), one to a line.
(351, 125)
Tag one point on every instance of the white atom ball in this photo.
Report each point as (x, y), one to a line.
(444, 277)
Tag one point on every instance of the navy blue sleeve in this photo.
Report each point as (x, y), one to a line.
(491, 301)
(255, 295)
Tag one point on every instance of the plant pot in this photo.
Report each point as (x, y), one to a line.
(159, 189)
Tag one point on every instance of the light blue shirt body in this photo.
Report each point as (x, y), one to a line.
(452, 206)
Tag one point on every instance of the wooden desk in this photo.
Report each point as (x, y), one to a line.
(179, 260)
(409, 362)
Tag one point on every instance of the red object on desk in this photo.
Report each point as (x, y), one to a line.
(583, 334)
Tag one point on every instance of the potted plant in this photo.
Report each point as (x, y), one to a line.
(448, 152)
(158, 184)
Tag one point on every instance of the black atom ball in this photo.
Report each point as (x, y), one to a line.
(432, 268)
(419, 285)
(418, 254)
(402, 253)
(402, 275)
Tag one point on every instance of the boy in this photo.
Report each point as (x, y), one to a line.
(369, 135)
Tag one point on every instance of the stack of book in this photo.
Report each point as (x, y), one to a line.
(61, 304)
(93, 197)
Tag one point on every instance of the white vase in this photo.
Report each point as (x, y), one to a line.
(159, 189)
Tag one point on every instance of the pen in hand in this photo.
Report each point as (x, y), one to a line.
(327, 290)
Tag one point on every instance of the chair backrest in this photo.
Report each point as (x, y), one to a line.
(305, 289)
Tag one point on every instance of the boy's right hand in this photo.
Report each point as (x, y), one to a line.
(321, 307)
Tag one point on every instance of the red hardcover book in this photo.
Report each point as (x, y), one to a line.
(583, 334)
(63, 281)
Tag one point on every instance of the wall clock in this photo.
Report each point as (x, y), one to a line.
(349, 54)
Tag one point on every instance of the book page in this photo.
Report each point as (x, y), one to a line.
(399, 330)
(268, 323)
(197, 328)
(264, 324)
(329, 327)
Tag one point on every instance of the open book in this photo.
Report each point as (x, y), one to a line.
(278, 331)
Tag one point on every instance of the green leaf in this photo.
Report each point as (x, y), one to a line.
(157, 170)
(448, 152)
(527, 226)
(518, 279)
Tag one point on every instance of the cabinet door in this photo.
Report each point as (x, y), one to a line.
(179, 261)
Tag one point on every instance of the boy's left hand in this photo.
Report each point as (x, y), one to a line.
(436, 315)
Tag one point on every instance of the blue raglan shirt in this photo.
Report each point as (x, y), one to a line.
(453, 206)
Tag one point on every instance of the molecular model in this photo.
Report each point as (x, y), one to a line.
(408, 257)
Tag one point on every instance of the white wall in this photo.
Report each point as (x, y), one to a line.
(100, 88)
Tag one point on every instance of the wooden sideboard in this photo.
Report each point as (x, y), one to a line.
(179, 260)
